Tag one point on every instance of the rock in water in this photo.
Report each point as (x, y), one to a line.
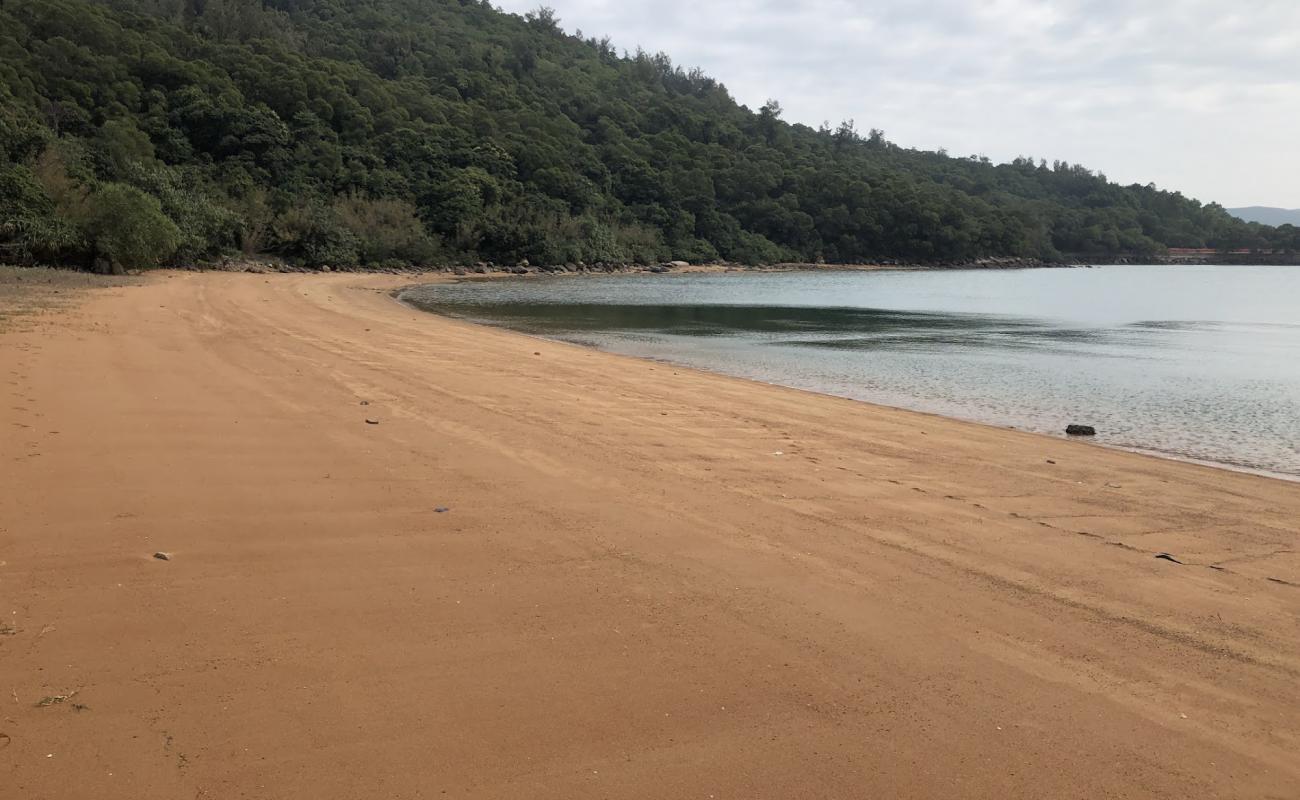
(1080, 430)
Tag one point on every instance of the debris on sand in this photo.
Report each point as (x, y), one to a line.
(441, 510)
(372, 421)
(161, 556)
(1167, 557)
(55, 699)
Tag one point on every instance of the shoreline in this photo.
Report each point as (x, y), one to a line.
(268, 265)
(1151, 452)
(547, 570)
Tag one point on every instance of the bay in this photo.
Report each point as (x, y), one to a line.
(1196, 362)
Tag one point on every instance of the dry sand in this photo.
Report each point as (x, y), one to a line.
(650, 582)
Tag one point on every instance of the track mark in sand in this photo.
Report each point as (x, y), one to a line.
(1087, 534)
(1257, 556)
(1144, 551)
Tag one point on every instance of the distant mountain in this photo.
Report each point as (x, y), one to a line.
(1267, 215)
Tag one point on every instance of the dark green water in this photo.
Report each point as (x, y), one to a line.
(1196, 362)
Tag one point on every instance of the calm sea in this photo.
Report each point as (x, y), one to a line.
(1199, 362)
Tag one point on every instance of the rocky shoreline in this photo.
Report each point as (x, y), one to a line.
(607, 268)
(273, 265)
(266, 266)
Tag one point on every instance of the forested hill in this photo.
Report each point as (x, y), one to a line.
(378, 132)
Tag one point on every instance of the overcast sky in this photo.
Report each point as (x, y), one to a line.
(1202, 96)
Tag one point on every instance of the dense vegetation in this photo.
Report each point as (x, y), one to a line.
(432, 131)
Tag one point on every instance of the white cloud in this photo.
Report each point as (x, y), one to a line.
(1202, 96)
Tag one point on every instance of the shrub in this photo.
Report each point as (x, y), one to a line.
(312, 234)
(386, 231)
(127, 226)
(206, 226)
(30, 227)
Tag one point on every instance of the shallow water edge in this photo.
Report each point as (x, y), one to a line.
(1197, 364)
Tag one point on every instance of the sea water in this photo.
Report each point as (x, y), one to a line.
(1198, 362)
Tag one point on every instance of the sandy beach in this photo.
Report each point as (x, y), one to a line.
(412, 557)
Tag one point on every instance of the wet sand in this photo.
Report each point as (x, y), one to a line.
(648, 582)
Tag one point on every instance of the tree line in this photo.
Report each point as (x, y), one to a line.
(421, 132)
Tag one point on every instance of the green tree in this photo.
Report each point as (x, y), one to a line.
(127, 227)
(257, 125)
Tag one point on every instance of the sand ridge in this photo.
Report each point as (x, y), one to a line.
(649, 582)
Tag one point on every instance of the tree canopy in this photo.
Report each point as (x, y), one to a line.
(437, 131)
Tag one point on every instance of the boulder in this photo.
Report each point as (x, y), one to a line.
(1080, 430)
(678, 264)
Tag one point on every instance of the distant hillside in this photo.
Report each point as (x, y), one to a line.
(435, 131)
(1266, 215)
